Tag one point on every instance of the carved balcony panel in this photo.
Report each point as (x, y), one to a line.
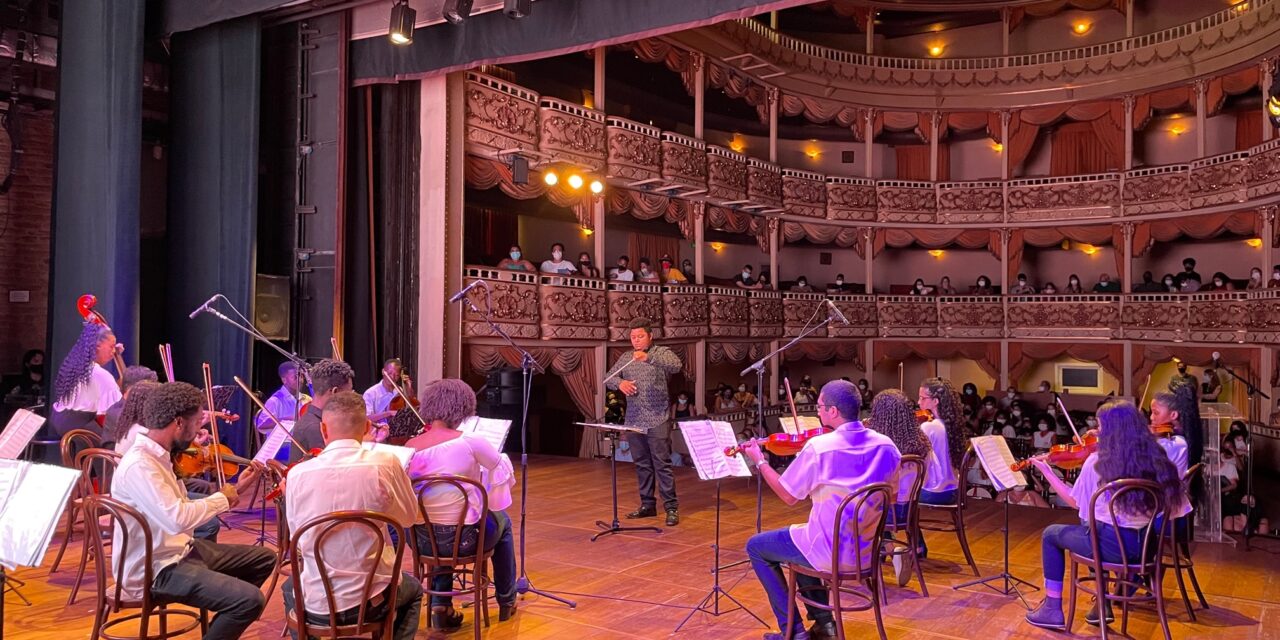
(1219, 316)
(684, 311)
(726, 176)
(907, 201)
(969, 202)
(764, 183)
(684, 163)
(851, 198)
(860, 311)
(631, 300)
(634, 151)
(1264, 316)
(572, 133)
(1156, 316)
(1064, 198)
(730, 312)
(800, 310)
(804, 193)
(970, 317)
(1219, 180)
(1264, 169)
(1156, 189)
(500, 116)
(766, 313)
(511, 300)
(572, 308)
(907, 316)
(1078, 316)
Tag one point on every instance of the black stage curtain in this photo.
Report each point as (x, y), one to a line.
(95, 241)
(558, 27)
(380, 314)
(185, 15)
(213, 199)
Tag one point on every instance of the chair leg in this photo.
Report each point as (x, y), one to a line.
(957, 517)
(1071, 594)
(1101, 600)
(1182, 585)
(1156, 579)
(875, 606)
(85, 551)
(164, 621)
(1191, 572)
(99, 617)
(73, 514)
(791, 604)
(914, 541)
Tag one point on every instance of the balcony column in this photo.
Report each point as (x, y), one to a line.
(1004, 381)
(1266, 67)
(1201, 89)
(1258, 409)
(868, 242)
(699, 212)
(936, 119)
(1128, 19)
(773, 123)
(1128, 131)
(1005, 117)
(868, 140)
(775, 364)
(1268, 233)
(775, 241)
(601, 351)
(1126, 277)
(1126, 387)
(699, 63)
(442, 123)
(1004, 30)
(871, 31)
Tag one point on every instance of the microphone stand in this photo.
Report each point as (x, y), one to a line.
(1252, 392)
(528, 367)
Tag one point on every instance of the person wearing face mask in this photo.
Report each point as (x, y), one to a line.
(646, 273)
(515, 261)
(557, 263)
(1049, 289)
(987, 413)
(585, 267)
(725, 402)
(686, 268)
(945, 288)
(801, 285)
(1189, 270)
(1073, 285)
(745, 279)
(1274, 282)
(1044, 437)
(806, 383)
(1022, 288)
(30, 383)
(1211, 388)
(1183, 377)
(864, 392)
(670, 274)
(969, 396)
(1220, 282)
(1148, 284)
(744, 398)
(764, 280)
(1186, 284)
(840, 286)
(983, 287)
(1010, 396)
(1170, 284)
(683, 407)
(622, 272)
(1106, 285)
(919, 288)
(1255, 279)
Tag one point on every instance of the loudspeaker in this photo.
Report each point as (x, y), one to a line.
(519, 170)
(455, 11)
(517, 8)
(271, 306)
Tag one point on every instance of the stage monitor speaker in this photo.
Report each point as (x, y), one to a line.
(271, 306)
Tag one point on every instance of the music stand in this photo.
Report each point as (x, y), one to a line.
(613, 431)
(996, 459)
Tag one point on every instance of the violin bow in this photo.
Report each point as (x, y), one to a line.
(263, 408)
(1058, 399)
(400, 392)
(791, 400)
(213, 423)
(166, 361)
(333, 344)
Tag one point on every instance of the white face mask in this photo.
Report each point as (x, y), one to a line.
(1044, 427)
(803, 283)
(1075, 281)
(1017, 414)
(1012, 393)
(1169, 283)
(839, 280)
(742, 388)
(1091, 422)
(1217, 283)
(1022, 281)
(982, 283)
(683, 401)
(1275, 275)
(556, 255)
(746, 274)
(1255, 275)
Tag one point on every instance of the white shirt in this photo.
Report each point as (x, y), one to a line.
(828, 468)
(462, 456)
(126, 443)
(1088, 481)
(283, 405)
(1043, 439)
(95, 395)
(1176, 448)
(377, 398)
(904, 478)
(623, 275)
(563, 267)
(940, 474)
(145, 481)
(346, 476)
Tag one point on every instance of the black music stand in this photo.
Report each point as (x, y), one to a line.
(614, 431)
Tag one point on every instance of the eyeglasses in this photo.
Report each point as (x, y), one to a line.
(926, 397)
(825, 406)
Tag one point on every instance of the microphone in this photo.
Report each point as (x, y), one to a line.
(204, 307)
(467, 289)
(1216, 356)
(835, 311)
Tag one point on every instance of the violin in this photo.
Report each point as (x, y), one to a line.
(1063, 456)
(1163, 429)
(779, 444)
(397, 403)
(923, 416)
(283, 471)
(202, 459)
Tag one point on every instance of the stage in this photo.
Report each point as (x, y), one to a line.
(662, 576)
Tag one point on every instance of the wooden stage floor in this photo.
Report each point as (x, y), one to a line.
(642, 585)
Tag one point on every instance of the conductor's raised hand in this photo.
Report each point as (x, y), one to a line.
(641, 356)
(628, 387)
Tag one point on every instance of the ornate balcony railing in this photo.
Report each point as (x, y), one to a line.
(549, 307)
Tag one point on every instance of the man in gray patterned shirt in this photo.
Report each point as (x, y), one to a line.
(643, 379)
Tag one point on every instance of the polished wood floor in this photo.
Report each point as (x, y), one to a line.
(642, 585)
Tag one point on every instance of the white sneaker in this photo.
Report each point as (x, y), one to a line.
(902, 566)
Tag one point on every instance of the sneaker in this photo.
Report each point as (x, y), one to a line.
(823, 630)
(1092, 616)
(673, 517)
(1048, 615)
(643, 512)
(902, 566)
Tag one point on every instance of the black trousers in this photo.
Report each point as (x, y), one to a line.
(223, 578)
(652, 455)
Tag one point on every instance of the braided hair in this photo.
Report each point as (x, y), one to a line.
(949, 412)
(77, 367)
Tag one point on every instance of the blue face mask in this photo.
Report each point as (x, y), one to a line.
(515, 255)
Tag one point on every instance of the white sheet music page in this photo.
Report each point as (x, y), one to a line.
(403, 454)
(18, 433)
(996, 458)
(807, 423)
(31, 513)
(271, 446)
(491, 429)
(10, 475)
(707, 441)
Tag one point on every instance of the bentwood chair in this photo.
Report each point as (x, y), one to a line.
(375, 616)
(865, 511)
(126, 520)
(100, 464)
(956, 510)
(1178, 551)
(436, 559)
(902, 534)
(72, 442)
(275, 475)
(1122, 581)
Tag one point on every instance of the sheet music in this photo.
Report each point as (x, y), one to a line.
(10, 475)
(271, 446)
(491, 429)
(707, 441)
(18, 433)
(32, 511)
(996, 458)
(403, 454)
(807, 423)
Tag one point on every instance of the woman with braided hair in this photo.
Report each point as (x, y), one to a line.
(83, 390)
(946, 433)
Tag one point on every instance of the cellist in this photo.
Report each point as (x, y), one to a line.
(83, 389)
(377, 399)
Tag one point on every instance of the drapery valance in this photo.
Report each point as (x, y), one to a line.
(1024, 355)
(986, 355)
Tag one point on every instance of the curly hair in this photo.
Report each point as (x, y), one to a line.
(131, 412)
(449, 400)
(169, 401)
(138, 373)
(1183, 399)
(330, 374)
(1126, 449)
(893, 415)
(78, 365)
(949, 412)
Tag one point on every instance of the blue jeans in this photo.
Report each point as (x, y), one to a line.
(408, 606)
(1060, 538)
(768, 551)
(498, 539)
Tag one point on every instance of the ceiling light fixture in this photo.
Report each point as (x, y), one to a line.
(455, 11)
(403, 16)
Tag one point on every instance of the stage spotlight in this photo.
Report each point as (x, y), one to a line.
(550, 178)
(455, 11)
(597, 186)
(402, 18)
(575, 181)
(517, 8)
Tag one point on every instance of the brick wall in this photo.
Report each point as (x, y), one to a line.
(25, 218)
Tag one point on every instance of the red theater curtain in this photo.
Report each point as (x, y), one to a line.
(986, 354)
(1078, 149)
(644, 245)
(1248, 129)
(1024, 355)
(913, 162)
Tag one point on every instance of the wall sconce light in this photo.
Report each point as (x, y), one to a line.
(997, 147)
(1081, 27)
(575, 181)
(936, 50)
(1256, 243)
(717, 246)
(1088, 249)
(812, 152)
(586, 231)
(596, 187)
(1240, 6)
(936, 253)
(588, 99)
(1177, 129)
(737, 144)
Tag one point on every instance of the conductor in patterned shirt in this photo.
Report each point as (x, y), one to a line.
(642, 376)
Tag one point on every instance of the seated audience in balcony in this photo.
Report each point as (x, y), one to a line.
(983, 287)
(585, 267)
(764, 280)
(1045, 387)
(969, 396)
(1170, 283)
(725, 402)
(1050, 289)
(744, 397)
(1255, 279)
(1186, 284)
(801, 286)
(864, 390)
(622, 272)
(670, 274)
(1073, 285)
(945, 288)
(1274, 283)
(515, 262)
(746, 280)
(646, 273)
(806, 383)
(840, 285)
(1148, 284)
(1220, 282)
(557, 263)
(1044, 437)
(683, 406)
(1106, 285)
(1189, 269)
(1022, 288)
(1211, 388)
(686, 267)
(919, 288)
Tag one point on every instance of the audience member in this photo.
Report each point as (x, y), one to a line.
(1275, 277)
(1211, 388)
(1050, 289)
(1220, 283)
(31, 381)
(686, 267)
(1189, 269)
(969, 396)
(1106, 285)
(764, 280)
(1148, 284)
(864, 392)
(744, 398)
(1182, 378)
(646, 273)
(1022, 288)
(1045, 387)
(746, 280)
(1187, 284)
(983, 287)
(725, 402)
(515, 262)
(801, 285)
(622, 272)
(1044, 437)
(919, 288)
(945, 288)
(585, 267)
(1073, 285)
(670, 274)
(1255, 279)
(840, 286)
(557, 263)
(1010, 396)
(682, 407)
(1170, 284)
